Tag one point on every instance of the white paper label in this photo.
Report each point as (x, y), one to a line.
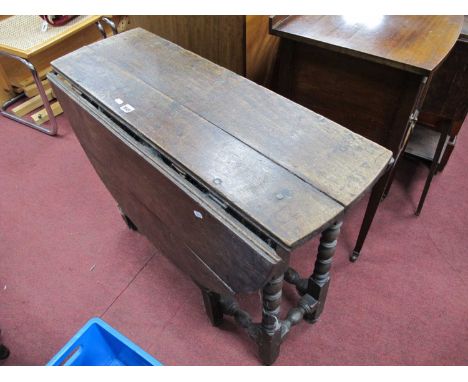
(127, 108)
(118, 101)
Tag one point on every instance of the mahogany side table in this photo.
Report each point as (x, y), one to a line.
(369, 74)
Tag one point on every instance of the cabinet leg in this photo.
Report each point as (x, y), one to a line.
(269, 337)
(374, 201)
(447, 152)
(214, 310)
(390, 178)
(435, 163)
(320, 278)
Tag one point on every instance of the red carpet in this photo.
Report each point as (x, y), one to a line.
(66, 256)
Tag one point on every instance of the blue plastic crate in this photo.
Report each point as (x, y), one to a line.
(98, 344)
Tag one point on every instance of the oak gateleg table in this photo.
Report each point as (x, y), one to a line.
(225, 177)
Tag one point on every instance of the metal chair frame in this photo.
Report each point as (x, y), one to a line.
(52, 127)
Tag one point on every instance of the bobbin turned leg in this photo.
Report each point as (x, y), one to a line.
(213, 307)
(269, 337)
(320, 278)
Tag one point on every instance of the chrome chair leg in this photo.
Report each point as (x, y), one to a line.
(52, 128)
(101, 29)
(111, 25)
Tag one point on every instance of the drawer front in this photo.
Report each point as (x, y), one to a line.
(205, 242)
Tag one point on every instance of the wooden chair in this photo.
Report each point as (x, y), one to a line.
(21, 39)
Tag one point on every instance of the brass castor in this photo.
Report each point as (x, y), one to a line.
(354, 256)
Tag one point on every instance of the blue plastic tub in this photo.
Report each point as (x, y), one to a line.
(98, 344)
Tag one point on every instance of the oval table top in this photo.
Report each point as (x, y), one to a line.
(284, 168)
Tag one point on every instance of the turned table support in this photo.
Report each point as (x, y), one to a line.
(320, 278)
(269, 339)
(271, 331)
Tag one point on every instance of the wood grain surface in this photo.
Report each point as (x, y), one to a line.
(284, 206)
(446, 99)
(261, 50)
(217, 38)
(31, 104)
(334, 160)
(370, 99)
(447, 96)
(414, 43)
(210, 246)
(242, 44)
